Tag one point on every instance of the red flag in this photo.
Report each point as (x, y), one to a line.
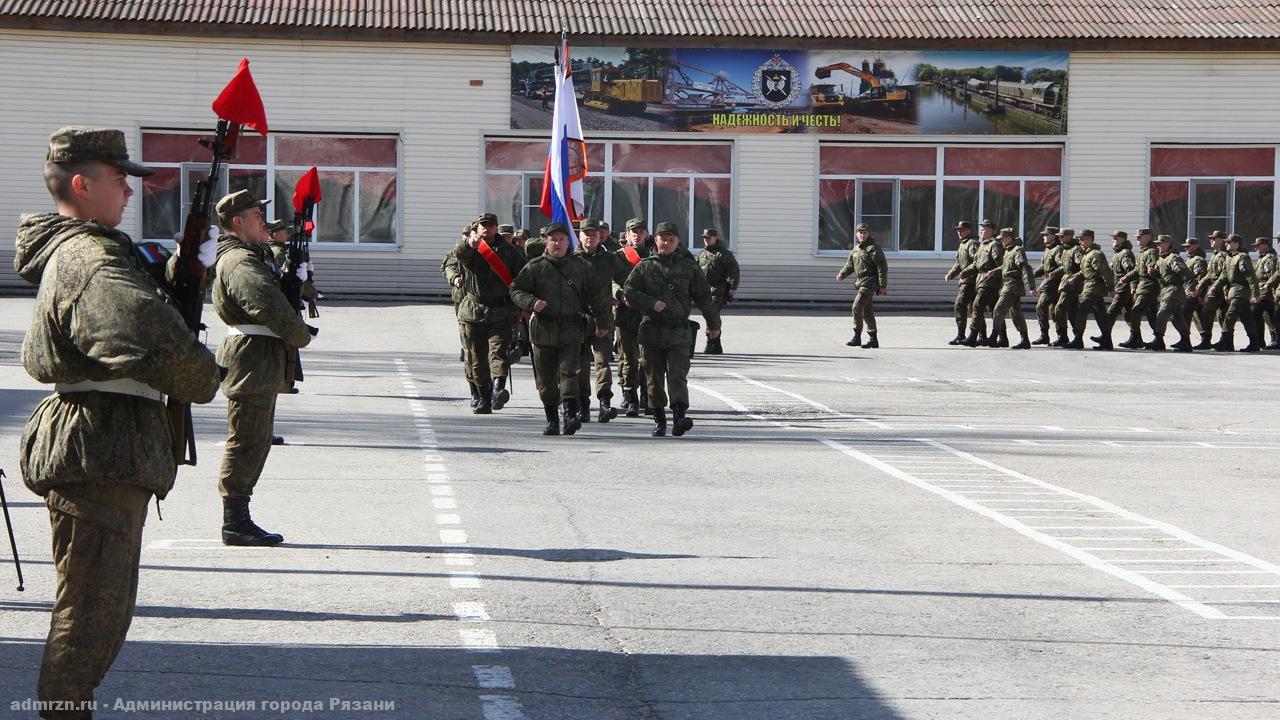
(308, 188)
(240, 102)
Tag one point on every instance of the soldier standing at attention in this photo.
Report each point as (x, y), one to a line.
(1050, 263)
(486, 311)
(986, 283)
(666, 286)
(99, 448)
(608, 268)
(1241, 287)
(721, 268)
(1173, 276)
(965, 285)
(1210, 292)
(1064, 312)
(1268, 273)
(263, 332)
(562, 292)
(871, 275)
(1146, 292)
(1124, 264)
(1198, 266)
(635, 248)
(1094, 280)
(1016, 277)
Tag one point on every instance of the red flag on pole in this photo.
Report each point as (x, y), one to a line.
(240, 103)
(308, 187)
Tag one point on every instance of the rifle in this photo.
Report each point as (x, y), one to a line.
(13, 544)
(305, 196)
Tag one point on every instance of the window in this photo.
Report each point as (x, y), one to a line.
(359, 180)
(1196, 190)
(910, 196)
(689, 184)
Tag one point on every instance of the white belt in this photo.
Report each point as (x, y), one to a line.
(250, 330)
(122, 386)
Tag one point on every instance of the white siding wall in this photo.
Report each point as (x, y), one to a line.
(421, 92)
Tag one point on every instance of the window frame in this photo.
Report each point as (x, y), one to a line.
(1232, 181)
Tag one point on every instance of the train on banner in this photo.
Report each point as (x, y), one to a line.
(818, 91)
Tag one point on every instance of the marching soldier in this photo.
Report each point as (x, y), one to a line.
(1173, 276)
(985, 271)
(486, 311)
(1198, 266)
(1124, 264)
(100, 447)
(1241, 287)
(263, 333)
(565, 295)
(636, 247)
(536, 246)
(1094, 279)
(1016, 276)
(1064, 312)
(1146, 291)
(964, 285)
(1211, 294)
(867, 263)
(610, 243)
(1268, 274)
(665, 287)
(519, 238)
(1050, 266)
(721, 269)
(608, 268)
(507, 232)
(452, 271)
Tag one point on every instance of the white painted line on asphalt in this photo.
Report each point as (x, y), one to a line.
(740, 408)
(1224, 586)
(444, 503)
(453, 537)
(463, 580)
(812, 403)
(437, 478)
(440, 490)
(501, 707)
(478, 640)
(459, 559)
(1207, 445)
(493, 677)
(448, 519)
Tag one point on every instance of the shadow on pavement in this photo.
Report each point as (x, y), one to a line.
(239, 613)
(548, 554)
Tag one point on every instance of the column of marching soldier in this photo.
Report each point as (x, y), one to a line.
(1155, 286)
(571, 309)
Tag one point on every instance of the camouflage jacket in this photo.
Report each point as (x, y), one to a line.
(1050, 267)
(1072, 255)
(720, 268)
(1198, 267)
(1124, 264)
(610, 269)
(1209, 284)
(1096, 273)
(964, 258)
(572, 290)
(451, 269)
(677, 281)
(867, 265)
(987, 258)
(100, 316)
(1147, 282)
(487, 299)
(1237, 271)
(247, 292)
(1015, 271)
(535, 248)
(1268, 273)
(1173, 275)
(627, 317)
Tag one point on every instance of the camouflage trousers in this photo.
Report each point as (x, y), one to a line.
(864, 312)
(965, 293)
(1044, 306)
(984, 301)
(1086, 305)
(629, 359)
(97, 541)
(555, 369)
(1237, 310)
(1212, 309)
(1170, 310)
(1121, 306)
(1264, 316)
(1146, 304)
(1009, 304)
(666, 374)
(599, 351)
(250, 421)
(486, 345)
(1065, 311)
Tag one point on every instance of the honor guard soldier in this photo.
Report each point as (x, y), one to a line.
(1241, 287)
(1198, 266)
(871, 275)
(609, 269)
(103, 332)
(1125, 266)
(567, 300)
(1173, 276)
(1093, 280)
(721, 270)
(263, 333)
(1050, 270)
(1016, 278)
(1268, 273)
(1211, 294)
(1146, 290)
(965, 290)
(665, 286)
(636, 247)
(486, 310)
(1064, 311)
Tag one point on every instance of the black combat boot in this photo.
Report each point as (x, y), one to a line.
(1226, 343)
(277, 440)
(1003, 340)
(1255, 335)
(607, 413)
(485, 404)
(239, 529)
(1104, 342)
(553, 420)
(873, 341)
(1156, 344)
(1134, 342)
(584, 409)
(1183, 345)
(856, 340)
(1077, 344)
(659, 422)
(1025, 344)
(971, 340)
(475, 395)
(571, 421)
(959, 338)
(714, 347)
(1205, 342)
(680, 424)
(1044, 337)
(501, 395)
(630, 403)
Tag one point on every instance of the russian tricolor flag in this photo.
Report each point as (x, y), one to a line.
(562, 198)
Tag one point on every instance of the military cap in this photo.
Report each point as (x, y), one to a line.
(637, 224)
(1143, 231)
(506, 229)
(1121, 234)
(963, 225)
(1068, 231)
(277, 225)
(1261, 241)
(667, 227)
(1191, 241)
(861, 227)
(987, 224)
(81, 144)
(1006, 231)
(1234, 238)
(589, 224)
(710, 232)
(555, 227)
(604, 225)
(1164, 238)
(1086, 234)
(237, 202)
(521, 233)
(1049, 230)
(468, 228)
(487, 219)
(1218, 235)
(542, 231)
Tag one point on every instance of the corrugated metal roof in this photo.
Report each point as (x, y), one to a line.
(1008, 20)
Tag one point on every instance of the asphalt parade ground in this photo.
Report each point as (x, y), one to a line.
(919, 531)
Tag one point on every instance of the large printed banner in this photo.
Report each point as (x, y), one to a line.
(821, 91)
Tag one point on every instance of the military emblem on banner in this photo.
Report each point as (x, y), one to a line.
(776, 83)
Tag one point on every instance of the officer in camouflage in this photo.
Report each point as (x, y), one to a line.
(263, 334)
(486, 311)
(636, 247)
(1016, 277)
(871, 276)
(97, 450)
(1050, 269)
(665, 286)
(1173, 276)
(965, 290)
(723, 274)
(1092, 280)
(608, 269)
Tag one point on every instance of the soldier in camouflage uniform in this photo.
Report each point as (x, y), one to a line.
(1198, 266)
(1094, 279)
(1173, 276)
(721, 269)
(964, 285)
(102, 330)
(665, 286)
(1050, 266)
(1064, 311)
(985, 271)
(608, 240)
(1267, 271)
(1211, 294)
(263, 333)
(1016, 277)
(487, 312)
(568, 299)
(637, 246)
(536, 246)
(452, 271)
(1146, 291)
(609, 269)
(871, 276)
(1124, 264)
(1240, 284)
